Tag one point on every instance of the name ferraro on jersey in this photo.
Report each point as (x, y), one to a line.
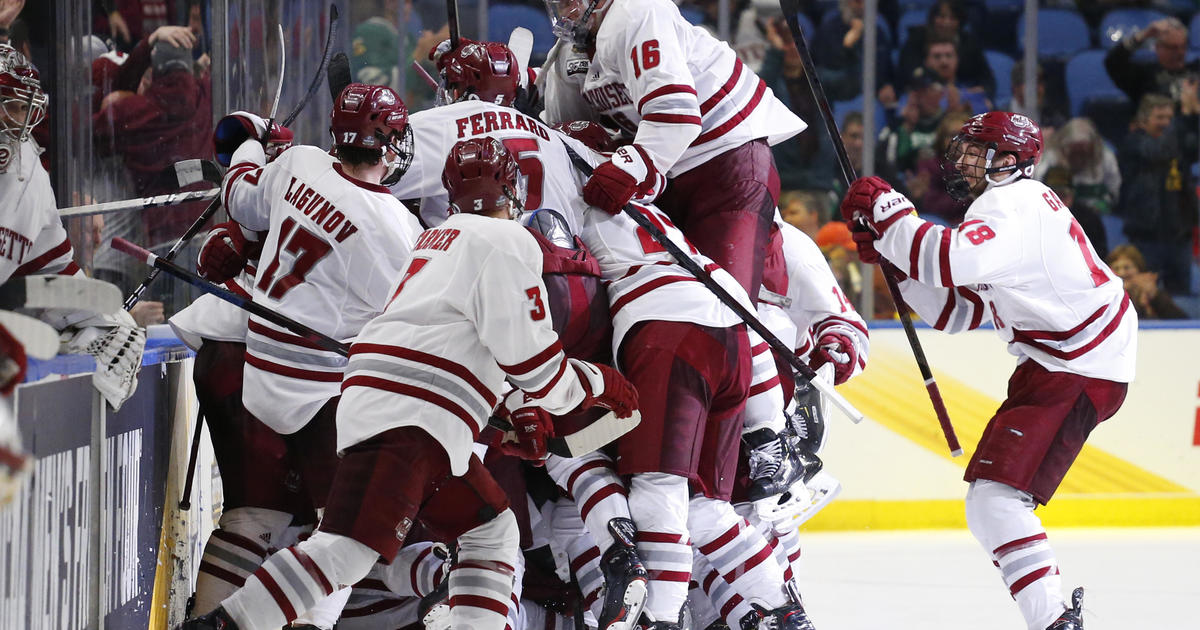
(322, 213)
(488, 122)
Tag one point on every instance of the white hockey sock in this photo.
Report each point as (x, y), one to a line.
(585, 565)
(659, 503)
(1002, 520)
(415, 571)
(292, 580)
(326, 611)
(764, 403)
(373, 605)
(235, 551)
(593, 484)
(787, 551)
(722, 599)
(481, 582)
(740, 553)
(703, 611)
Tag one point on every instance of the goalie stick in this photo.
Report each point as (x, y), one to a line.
(791, 9)
(728, 300)
(592, 437)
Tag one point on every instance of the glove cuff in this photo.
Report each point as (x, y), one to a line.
(634, 160)
(889, 208)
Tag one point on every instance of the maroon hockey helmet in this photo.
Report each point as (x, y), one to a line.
(22, 101)
(481, 176)
(368, 117)
(591, 134)
(486, 70)
(993, 134)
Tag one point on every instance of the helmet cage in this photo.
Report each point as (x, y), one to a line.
(20, 88)
(485, 71)
(397, 166)
(568, 28)
(957, 183)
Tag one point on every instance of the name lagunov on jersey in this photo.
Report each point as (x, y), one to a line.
(315, 207)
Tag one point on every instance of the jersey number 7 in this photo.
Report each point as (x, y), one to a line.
(308, 249)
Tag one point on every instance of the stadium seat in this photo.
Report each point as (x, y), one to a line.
(1061, 33)
(841, 108)
(910, 18)
(1087, 80)
(692, 15)
(503, 18)
(1194, 32)
(1114, 230)
(1119, 22)
(1001, 65)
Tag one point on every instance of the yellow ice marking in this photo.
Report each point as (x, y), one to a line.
(891, 393)
(1062, 511)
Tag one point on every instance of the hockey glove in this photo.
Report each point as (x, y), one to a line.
(865, 244)
(615, 182)
(605, 387)
(224, 252)
(12, 362)
(439, 54)
(838, 349)
(238, 127)
(874, 200)
(532, 426)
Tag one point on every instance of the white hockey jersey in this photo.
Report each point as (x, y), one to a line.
(336, 246)
(467, 315)
(549, 177)
(32, 238)
(817, 303)
(1020, 258)
(674, 89)
(210, 317)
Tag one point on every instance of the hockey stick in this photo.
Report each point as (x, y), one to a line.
(321, 69)
(452, 22)
(191, 232)
(170, 199)
(278, 89)
(244, 303)
(791, 9)
(728, 300)
(591, 437)
(185, 173)
(337, 74)
(185, 501)
(425, 76)
(520, 42)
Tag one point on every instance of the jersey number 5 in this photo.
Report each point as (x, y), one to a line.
(526, 151)
(650, 58)
(308, 249)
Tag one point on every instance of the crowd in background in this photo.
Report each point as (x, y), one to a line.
(1126, 166)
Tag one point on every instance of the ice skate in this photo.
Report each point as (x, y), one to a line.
(434, 609)
(218, 619)
(789, 617)
(1072, 619)
(624, 578)
(775, 463)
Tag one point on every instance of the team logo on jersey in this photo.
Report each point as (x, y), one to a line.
(5, 157)
(403, 528)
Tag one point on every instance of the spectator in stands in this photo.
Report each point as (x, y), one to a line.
(901, 141)
(941, 57)
(130, 21)
(1149, 301)
(1157, 199)
(1170, 73)
(926, 185)
(1093, 171)
(947, 19)
(838, 55)
(1051, 111)
(805, 209)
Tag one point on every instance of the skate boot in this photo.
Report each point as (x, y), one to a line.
(434, 609)
(624, 578)
(218, 619)
(789, 617)
(1072, 619)
(775, 463)
(806, 413)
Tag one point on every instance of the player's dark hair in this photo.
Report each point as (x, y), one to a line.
(356, 156)
(934, 39)
(959, 11)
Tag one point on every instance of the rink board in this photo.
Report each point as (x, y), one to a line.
(1140, 468)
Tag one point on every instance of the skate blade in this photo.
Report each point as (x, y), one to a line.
(825, 488)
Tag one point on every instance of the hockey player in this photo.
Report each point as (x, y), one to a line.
(465, 316)
(1020, 258)
(692, 112)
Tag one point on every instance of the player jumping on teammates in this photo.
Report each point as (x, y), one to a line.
(1022, 259)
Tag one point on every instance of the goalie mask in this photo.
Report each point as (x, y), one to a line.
(481, 177)
(968, 167)
(373, 117)
(487, 71)
(573, 20)
(22, 100)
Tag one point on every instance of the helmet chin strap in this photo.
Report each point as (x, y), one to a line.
(1015, 172)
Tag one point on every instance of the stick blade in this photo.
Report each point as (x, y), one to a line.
(338, 75)
(595, 436)
(520, 42)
